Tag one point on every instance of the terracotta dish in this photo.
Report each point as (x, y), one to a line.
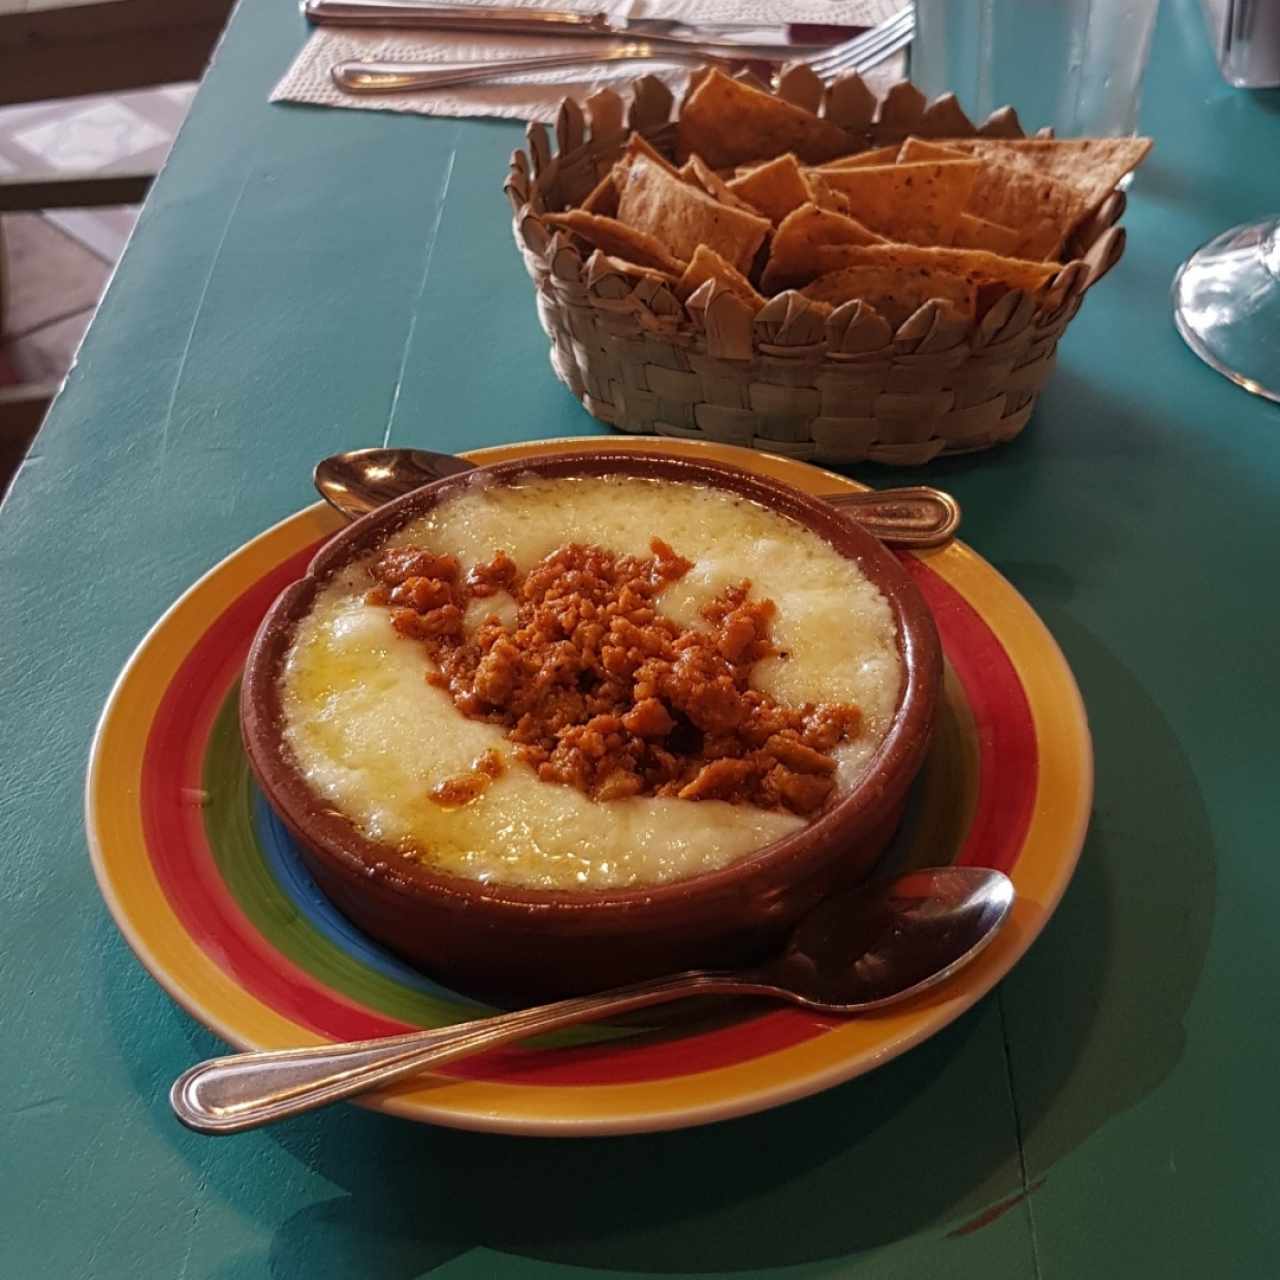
(511, 942)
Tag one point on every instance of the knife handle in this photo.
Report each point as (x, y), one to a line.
(459, 17)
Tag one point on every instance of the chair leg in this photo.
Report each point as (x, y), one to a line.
(71, 190)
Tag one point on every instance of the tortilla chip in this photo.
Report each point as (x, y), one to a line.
(975, 265)
(894, 295)
(860, 159)
(774, 188)
(695, 171)
(1040, 210)
(630, 269)
(913, 150)
(918, 203)
(823, 194)
(727, 122)
(639, 145)
(706, 264)
(1092, 165)
(682, 217)
(603, 198)
(617, 240)
(973, 232)
(793, 257)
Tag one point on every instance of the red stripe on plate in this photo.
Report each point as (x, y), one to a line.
(1002, 719)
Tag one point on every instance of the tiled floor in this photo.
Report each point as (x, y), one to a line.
(52, 286)
(57, 263)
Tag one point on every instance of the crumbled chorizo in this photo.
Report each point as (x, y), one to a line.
(718, 780)
(489, 579)
(737, 635)
(599, 690)
(422, 594)
(803, 792)
(619, 785)
(495, 674)
(444, 621)
(670, 565)
(648, 719)
(461, 790)
(400, 563)
(795, 755)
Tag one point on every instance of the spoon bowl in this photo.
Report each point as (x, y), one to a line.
(854, 953)
(362, 480)
(887, 942)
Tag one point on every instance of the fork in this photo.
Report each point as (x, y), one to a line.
(858, 54)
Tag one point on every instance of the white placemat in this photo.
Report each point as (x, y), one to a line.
(532, 97)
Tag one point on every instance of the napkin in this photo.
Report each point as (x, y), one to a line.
(534, 97)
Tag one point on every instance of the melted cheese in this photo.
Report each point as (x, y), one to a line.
(373, 737)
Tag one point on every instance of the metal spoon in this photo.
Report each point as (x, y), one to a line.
(853, 953)
(362, 480)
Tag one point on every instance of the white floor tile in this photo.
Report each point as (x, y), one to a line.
(95, 137)
(180, 93)
(105, 231)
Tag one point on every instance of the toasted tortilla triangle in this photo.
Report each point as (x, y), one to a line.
(681, 216)
(694, 170)
(1091, 165)
(775, 188)
(617, 240)
(915, 203)
(1041, 209)
(860, 159)
(602, 198)
(823, 194)
(639, 145)
(895, 296)
(793, 252)
(975, 265)
(706, 264)
(913, 150)
(973, 232)
(632, 270)
(727, 123)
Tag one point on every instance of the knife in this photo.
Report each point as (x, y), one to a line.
(520, 21)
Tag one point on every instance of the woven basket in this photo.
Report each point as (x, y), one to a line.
(791, 378)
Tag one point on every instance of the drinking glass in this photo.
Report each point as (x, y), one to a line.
(1075, 65)
(1246, 39)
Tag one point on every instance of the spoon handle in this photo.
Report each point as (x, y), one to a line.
(246, 1090)
(910, 517)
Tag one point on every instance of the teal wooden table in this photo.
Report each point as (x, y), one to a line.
(305, 280)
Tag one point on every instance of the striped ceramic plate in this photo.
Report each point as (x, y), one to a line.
(209, 890)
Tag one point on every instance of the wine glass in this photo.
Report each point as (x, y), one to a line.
(1226, 304)
(1226, 296)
